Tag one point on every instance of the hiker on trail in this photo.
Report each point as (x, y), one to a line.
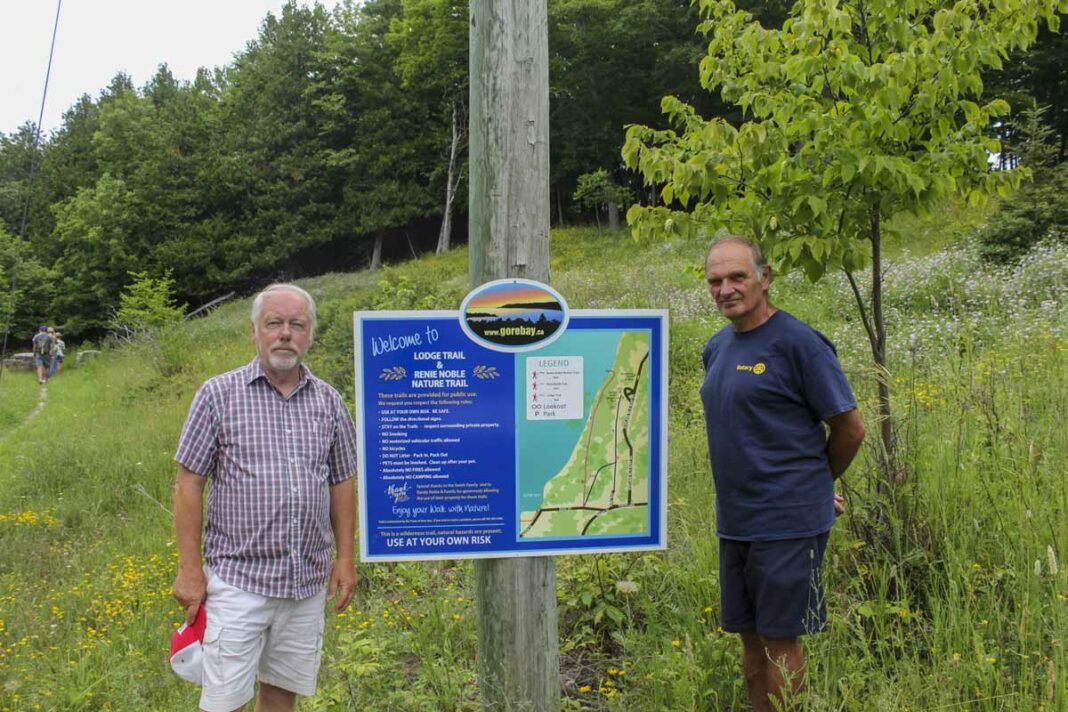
(58, 349)
(280, 448)
(42, 353)
(56, 363)
(772, 384)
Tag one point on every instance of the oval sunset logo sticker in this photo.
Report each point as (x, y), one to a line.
(513, 315)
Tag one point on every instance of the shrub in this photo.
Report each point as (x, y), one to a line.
(146, 304)
(1038, 210)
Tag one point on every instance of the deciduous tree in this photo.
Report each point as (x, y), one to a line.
(26, 306)
(855, 110)
(94, 229)
(430, 37)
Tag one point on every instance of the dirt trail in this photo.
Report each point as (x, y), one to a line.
(42, 397)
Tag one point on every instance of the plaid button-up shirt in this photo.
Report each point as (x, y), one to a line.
(271, 461)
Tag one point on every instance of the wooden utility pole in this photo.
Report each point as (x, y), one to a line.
(508, 231)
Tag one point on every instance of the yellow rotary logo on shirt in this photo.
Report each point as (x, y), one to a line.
(756, 368)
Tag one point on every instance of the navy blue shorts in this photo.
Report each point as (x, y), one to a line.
(772, 587)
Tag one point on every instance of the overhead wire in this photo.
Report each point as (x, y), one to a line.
(35, 154)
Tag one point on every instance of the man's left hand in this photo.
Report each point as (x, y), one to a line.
(342, 583)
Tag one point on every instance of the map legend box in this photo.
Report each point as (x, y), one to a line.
(554, 388)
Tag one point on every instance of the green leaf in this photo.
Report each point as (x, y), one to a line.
(849, 170)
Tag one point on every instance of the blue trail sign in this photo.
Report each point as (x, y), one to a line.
(472, 448)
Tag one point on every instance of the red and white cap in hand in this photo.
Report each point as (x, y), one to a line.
(187, 653)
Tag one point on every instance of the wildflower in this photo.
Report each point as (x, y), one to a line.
(585, 688)
(626, 587)
(1052, 556)
(708, 609)
(676, 643)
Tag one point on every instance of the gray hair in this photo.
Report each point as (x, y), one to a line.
(257, 303)
(754, 249)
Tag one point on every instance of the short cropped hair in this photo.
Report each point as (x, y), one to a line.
(754, 249)
(257, 303)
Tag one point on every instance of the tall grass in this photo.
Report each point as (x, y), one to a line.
(20, 397)
(949, 594)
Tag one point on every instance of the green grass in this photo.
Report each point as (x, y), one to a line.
(951, 593)
(20, 395)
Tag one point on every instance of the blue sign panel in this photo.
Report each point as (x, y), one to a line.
(467, 451)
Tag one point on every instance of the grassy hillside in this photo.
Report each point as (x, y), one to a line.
(951, 592)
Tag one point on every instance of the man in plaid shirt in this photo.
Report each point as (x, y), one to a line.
(279, 447)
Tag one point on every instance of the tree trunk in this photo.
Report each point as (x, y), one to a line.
(613, 216)
(452, 182)
(376, 254)
(559, 208)
(519, 665)
(886, 423)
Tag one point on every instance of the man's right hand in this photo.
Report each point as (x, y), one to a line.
(190, 588)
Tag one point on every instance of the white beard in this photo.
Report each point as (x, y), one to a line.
(282, 362)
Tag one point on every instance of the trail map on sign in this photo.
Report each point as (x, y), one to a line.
(603, 488)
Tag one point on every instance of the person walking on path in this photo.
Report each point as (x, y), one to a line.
(279, 446)
(58, 347)
(42, 353)
(782, 425)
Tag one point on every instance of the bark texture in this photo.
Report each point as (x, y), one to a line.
(509, 237)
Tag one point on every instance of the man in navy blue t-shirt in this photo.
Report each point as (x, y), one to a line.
(772, 384)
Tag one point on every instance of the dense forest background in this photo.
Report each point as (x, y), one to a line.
(336, 140)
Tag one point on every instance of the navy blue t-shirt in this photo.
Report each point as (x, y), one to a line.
(766, 394)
